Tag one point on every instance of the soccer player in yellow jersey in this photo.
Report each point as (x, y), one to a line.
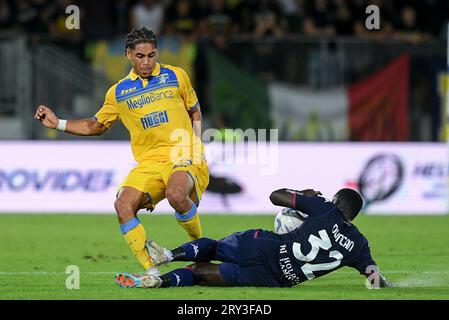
(160, 109)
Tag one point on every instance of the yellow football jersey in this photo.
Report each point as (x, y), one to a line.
(155, 112)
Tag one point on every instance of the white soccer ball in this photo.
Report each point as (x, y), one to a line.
(288, 220)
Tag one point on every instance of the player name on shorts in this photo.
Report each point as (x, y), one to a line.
(342, 239)
(149, 98)
(287, 267)
(154, 119)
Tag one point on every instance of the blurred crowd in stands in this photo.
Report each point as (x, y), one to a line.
(407, 20)
(183, 24)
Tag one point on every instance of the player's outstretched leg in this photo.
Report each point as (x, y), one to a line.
(181, 277)
(200, 250)
(203, 273)
(179, 187)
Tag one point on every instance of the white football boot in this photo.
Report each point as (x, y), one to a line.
(158, 254)
(129, 280)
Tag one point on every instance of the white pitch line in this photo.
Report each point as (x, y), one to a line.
(421, 272)
(44, 273)
(407, 271)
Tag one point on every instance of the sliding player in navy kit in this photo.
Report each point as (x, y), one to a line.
(325, 242)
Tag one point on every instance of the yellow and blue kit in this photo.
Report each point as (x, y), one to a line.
(155, 112)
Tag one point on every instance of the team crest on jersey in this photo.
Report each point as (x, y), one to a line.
(162, 78)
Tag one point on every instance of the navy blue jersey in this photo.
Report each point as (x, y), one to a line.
(323, 243)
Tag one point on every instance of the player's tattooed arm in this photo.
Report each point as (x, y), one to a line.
(286, 197)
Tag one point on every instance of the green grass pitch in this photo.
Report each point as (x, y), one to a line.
(412, 251)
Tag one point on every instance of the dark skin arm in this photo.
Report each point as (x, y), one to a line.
(285, 197)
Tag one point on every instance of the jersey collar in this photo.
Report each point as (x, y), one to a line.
(156, 71)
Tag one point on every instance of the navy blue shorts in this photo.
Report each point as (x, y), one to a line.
(245, 258)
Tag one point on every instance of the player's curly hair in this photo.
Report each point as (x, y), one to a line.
(137, 36)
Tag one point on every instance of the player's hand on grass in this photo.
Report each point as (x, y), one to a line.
(377, 280)
(46, 116)
(384, 283)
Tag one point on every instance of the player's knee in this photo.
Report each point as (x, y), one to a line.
(175, 196)
(123, 208)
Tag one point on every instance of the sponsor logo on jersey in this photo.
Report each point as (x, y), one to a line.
(154, 119)
(126, 91)
(287, 266)
(148, 98)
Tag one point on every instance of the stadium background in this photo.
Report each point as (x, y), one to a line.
(354, 107)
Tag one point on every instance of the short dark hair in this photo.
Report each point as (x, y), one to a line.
(349, 202)
(137, 36)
